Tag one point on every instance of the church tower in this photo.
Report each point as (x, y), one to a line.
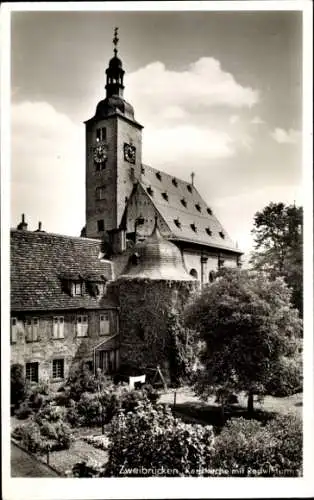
(113, 156)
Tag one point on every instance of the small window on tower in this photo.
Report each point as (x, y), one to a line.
(100, 193)
(100, 225)
(101, 134)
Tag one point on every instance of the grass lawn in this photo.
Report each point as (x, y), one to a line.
(191, 408)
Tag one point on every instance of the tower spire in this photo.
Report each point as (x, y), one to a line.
(115, 41)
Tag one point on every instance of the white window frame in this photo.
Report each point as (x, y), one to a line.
(13, 330)
(58, 327)
(55, 368)
(82, 325)
(77, 288)
(32, 365)
(31, 329)
(104, 323)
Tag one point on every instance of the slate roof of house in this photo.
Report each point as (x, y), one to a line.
(181, 206)
(39, 262)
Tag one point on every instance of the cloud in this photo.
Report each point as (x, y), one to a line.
(234, 119)
(257, 120)
(186, 112)
(282, 136)
(204, 84)
(47, 177)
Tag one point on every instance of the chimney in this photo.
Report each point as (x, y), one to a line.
(192, 178)
(39, 230)
(22, 226)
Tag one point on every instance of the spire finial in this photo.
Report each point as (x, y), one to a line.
(115, 40)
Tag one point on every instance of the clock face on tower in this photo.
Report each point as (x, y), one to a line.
(100, 153)
(129, 153)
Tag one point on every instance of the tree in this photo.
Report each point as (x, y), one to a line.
(249, 329)
(278, 245)
(18, 384)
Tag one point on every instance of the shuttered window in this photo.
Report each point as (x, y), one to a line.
(82, 326)
(13, 330)
(58, 327)
(104, 323)
(31, 329)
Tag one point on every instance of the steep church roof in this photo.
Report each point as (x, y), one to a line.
(40, 262)
(184, 211)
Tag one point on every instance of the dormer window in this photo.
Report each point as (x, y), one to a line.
(158, 175)
(189, 188)
(165, 196)
(221, 234)
(175, 182)
(77, 288)
(193, 227)
(183, 201)
(150, 191)
(208, 231)
(177, 223)
(209, 211)
(198, 207)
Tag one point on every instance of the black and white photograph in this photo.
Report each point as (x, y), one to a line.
(157, 249)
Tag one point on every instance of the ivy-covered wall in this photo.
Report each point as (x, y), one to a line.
(146, 311)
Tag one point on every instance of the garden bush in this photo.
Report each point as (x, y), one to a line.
(30, 437)
(50, 412)
(82, 380)
(35, 437)
(247, 448)
(18, 385)
(24, 411)
(151, 441)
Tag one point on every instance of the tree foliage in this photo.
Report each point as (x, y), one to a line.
(249, 330)
(18, 385)
(278, 245)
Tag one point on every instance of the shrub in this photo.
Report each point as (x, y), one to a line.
(30, 437)
(175, 448)
(102, 442)
(24, 411)
(58, 434)
(87, 469)
(18, 384)
(36, 437)
(51, 413)
(246, 448)
(82, 380)
(89, 408)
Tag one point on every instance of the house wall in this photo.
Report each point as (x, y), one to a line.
(72, 349)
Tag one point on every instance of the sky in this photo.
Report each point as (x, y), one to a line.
(219, 94)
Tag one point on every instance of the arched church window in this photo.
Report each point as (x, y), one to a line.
(193, 273)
